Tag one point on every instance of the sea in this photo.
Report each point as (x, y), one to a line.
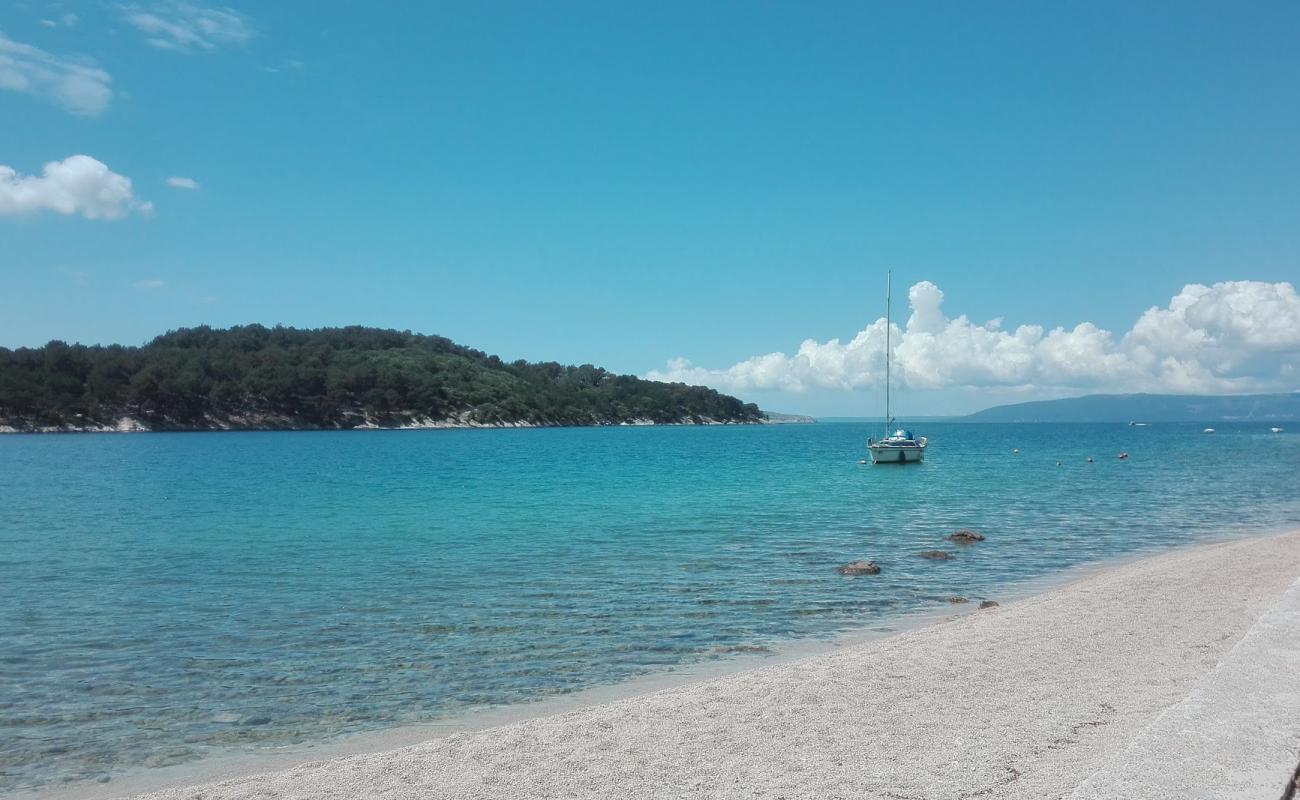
(168, 599)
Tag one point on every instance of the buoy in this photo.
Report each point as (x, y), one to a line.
(1015, 451)
(1058, 463)
(1089, 459)
(1123, 456)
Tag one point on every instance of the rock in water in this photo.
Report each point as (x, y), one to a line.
(744, 649)
(957, 600)
(988, 604)
(859, 568)
(937, 555)
(965, 536)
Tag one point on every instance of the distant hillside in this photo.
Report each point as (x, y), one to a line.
(1148, 408)
(254, 378)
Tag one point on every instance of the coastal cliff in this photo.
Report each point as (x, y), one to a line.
(258, 378)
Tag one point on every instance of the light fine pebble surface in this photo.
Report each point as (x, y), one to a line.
(1026, 700)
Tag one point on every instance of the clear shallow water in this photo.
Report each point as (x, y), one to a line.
(169, 597)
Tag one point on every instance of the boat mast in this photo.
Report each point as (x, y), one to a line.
(888, 325)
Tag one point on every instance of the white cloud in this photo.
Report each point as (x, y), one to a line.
(77, 85)
(150, 285)
(177, 182)
(65, 20)
(185, 27)
(1232, 336)
(76, 185)
(288, 65)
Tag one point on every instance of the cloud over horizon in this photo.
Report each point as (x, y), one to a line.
(1234, 336)
(78, 184)
(76, 85)
(185, 27)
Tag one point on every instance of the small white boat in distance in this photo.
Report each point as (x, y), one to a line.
(1275, 430)
(900, 447)
(1208, 430)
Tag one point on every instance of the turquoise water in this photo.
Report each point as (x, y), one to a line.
(174, 596)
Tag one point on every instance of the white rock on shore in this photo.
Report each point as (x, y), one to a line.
(258, 423)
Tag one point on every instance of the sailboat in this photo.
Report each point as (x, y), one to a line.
(899, 447)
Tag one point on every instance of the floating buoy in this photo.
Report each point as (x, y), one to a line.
(1089, 459)
(1015, 451)
(1123, 456)
(1058, 463)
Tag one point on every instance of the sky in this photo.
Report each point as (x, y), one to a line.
(1071, 198)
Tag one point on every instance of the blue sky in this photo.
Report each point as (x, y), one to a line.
(629, 184)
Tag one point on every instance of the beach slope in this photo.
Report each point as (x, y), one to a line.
(1031, 699)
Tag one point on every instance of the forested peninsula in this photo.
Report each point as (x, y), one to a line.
(257, 378)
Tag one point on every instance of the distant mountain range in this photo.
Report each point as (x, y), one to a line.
(1148, 408)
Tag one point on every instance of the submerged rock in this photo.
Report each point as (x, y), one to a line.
(744, 649)
(169, 759)
(988, 604)
(957, 600)
(859, 568)
(965, 536)
(937, 555)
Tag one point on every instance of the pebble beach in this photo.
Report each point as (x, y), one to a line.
(1058, 695)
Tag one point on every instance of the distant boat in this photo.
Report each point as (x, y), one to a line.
(900, 447)
(1208, 430)
(1275, 430)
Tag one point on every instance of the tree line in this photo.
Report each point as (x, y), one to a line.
(254, 376)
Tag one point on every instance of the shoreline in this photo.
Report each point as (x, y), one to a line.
(132, 425)
(246, 766)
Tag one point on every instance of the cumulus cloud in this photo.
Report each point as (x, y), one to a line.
(76, 185)
(186, 27)
(1232, 336)
(177, 182)
(76, 85)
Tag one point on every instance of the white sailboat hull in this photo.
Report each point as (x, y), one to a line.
(887, 453)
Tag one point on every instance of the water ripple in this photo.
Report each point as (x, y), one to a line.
(172, 597)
